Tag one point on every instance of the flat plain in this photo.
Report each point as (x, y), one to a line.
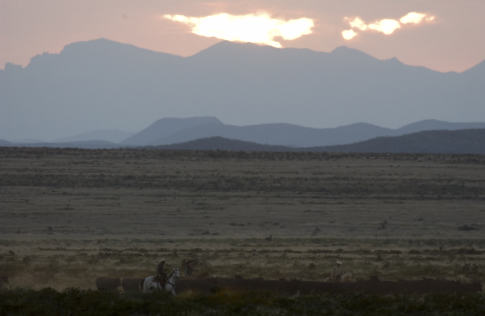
(70, 215)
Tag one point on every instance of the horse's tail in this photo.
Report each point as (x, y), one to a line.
(140, 286)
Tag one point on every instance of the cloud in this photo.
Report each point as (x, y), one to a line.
(349, 34)
(358, 24)
(257, 28)
(416, 18)
(385, 26)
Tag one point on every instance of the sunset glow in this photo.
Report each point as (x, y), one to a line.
(385, 26)
(412, 17)
(349, 34)
(416, 18)
(358, 24)
(257, 28)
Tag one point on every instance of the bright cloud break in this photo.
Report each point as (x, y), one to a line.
(385, 26)
(259, 28)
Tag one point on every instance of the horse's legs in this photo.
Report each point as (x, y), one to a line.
(141, 285)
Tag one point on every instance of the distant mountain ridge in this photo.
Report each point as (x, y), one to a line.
(221, 143)
(431, 125)
(166, 127)
(92, 144)
(172, 131)
(111, 135)
(469, 141)
(103, 83)
(168, 131)
(443, 141)
(278, 134)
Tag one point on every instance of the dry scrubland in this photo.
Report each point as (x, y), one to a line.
(70, 215)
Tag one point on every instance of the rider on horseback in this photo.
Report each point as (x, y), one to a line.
(337, 271)
(161, 275)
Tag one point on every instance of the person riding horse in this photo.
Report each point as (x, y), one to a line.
(337, 271)
(161, 275)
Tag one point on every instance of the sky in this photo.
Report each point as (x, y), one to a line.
(443, 35)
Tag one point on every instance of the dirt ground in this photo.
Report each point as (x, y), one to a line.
(69, 215)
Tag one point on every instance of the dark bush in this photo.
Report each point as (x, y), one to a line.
(467, 227)
(223, 302)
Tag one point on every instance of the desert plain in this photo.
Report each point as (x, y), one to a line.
(68, 216)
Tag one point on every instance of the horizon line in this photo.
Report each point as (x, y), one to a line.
(236, 42)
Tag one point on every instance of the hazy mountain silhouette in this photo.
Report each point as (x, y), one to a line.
(4, 143)
(453, 142)
(429, 125)
(111, 135)
(27, 141)
(221, 143)
(164, 132)
(167, 126)
(470, 141)
(93, 144)
(278, 134)
(103, 83)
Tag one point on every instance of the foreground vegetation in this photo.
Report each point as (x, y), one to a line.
(63, 263)
(69, 216)
(79, 302)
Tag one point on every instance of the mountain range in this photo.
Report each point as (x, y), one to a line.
(113, 136)
(172, 130)
(105, 85)
(443, 142)
(429, 136)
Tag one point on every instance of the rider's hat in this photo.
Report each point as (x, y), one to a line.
(162, 260)
(339, 262)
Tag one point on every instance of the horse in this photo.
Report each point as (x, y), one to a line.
(149, 284)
